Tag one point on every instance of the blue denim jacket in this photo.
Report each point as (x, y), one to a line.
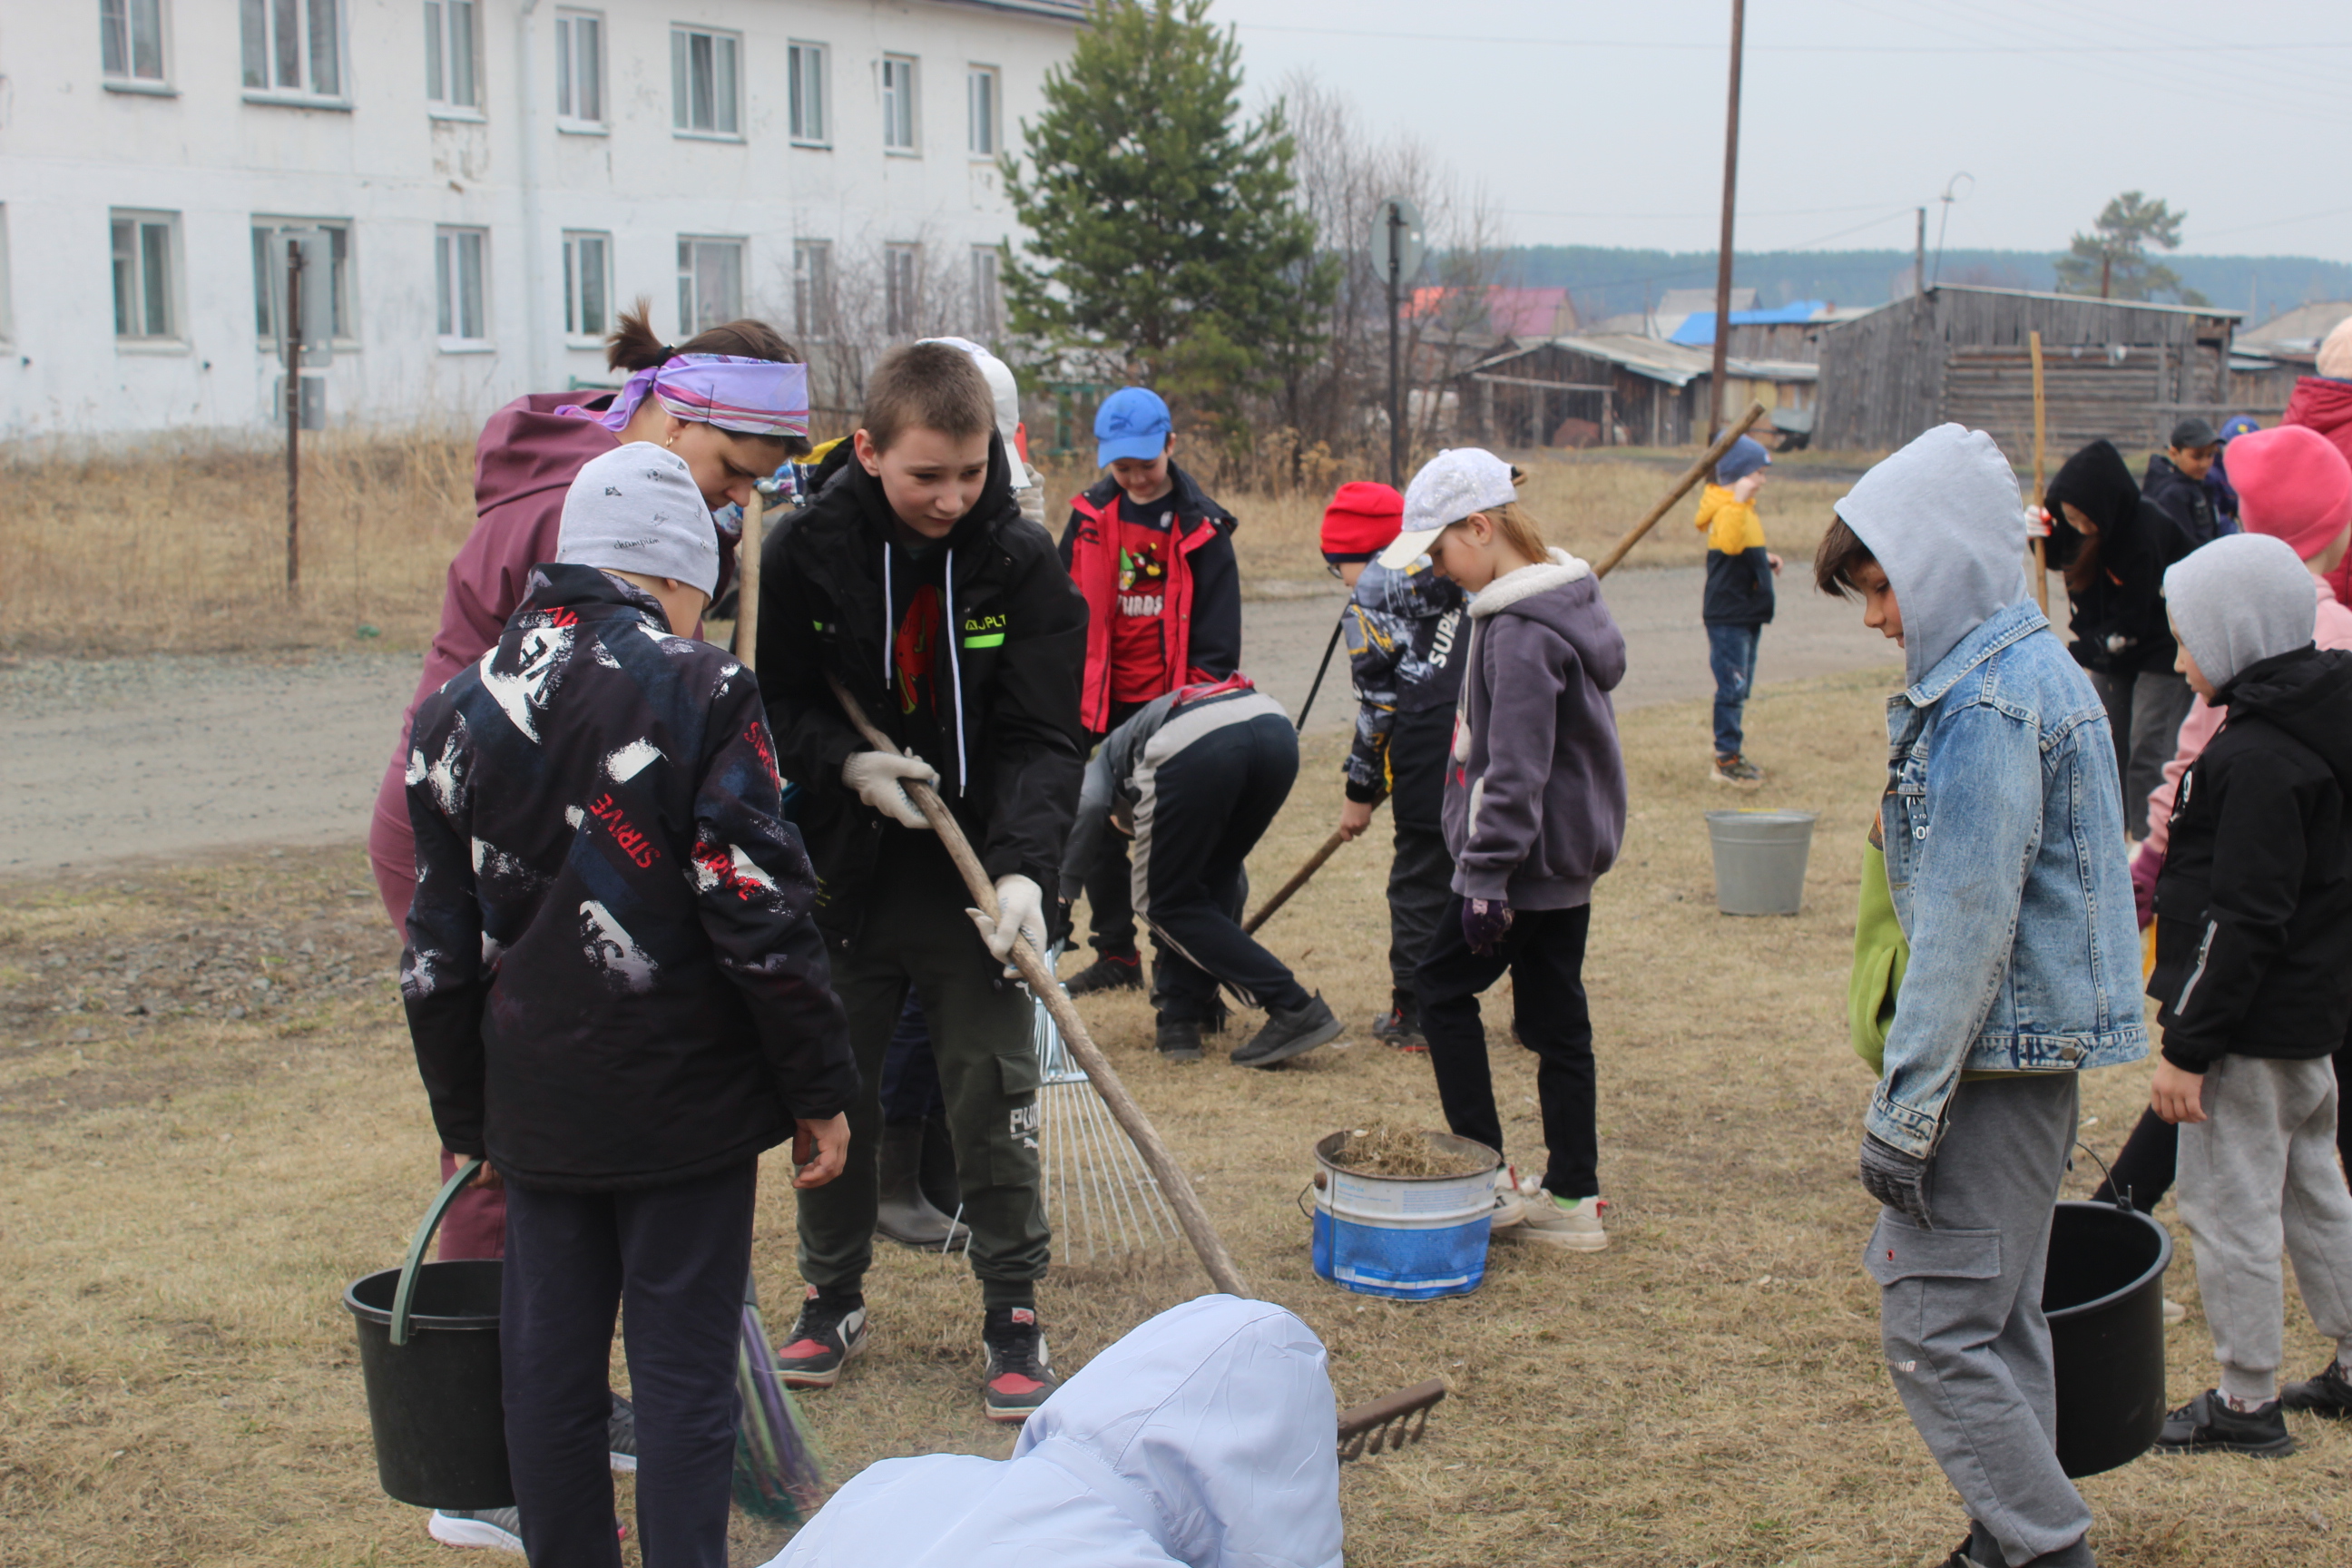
(2003, 823)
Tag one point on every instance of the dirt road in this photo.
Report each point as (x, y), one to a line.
(109, 758)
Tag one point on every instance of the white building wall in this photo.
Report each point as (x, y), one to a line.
(72, 149)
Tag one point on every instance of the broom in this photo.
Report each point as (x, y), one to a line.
(777, 1476)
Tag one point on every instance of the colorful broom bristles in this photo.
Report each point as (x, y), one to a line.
(777, 1476)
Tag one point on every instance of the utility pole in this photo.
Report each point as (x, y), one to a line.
(290, 338)
(1730, 200)
(1395, 252)
(1919, 258)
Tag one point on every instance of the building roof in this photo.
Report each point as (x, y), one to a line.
(2302, 327)
(1062, 10)
(1674, 363)
(2212, 310)
(1698, 328)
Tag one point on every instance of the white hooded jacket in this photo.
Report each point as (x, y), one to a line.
(1206, 1438)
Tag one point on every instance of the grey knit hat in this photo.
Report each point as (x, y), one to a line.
(637, 509)
(2239, 601)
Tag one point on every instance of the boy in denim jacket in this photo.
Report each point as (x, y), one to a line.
(2003, 839)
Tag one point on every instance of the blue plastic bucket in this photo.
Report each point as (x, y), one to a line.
(1410, 1237)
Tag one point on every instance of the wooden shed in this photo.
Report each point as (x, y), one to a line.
(2123, 370)
(1645, 390)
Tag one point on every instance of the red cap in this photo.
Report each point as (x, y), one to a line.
(1360, 520)
(2292, 482)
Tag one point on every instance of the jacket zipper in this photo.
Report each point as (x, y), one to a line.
(2204, 948)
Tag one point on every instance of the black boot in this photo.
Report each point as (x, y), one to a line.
(1178, 1040)
(904, 1215)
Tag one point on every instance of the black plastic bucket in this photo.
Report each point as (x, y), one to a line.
(2104, 1294)
(429, 1353)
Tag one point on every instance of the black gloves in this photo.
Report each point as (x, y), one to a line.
(1895, 1179)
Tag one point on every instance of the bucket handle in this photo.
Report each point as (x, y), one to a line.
(2122, 1195)
(425, 1229)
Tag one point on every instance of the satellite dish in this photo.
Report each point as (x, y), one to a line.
(1397, 249)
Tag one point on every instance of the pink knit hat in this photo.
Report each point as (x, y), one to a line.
(2294, 484)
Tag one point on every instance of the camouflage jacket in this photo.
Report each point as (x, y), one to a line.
(1405, 630)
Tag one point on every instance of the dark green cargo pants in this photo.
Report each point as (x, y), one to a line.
(915, 932)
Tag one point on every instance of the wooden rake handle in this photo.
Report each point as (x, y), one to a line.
(747, 583)
(1174, 1185)
(1691, 477)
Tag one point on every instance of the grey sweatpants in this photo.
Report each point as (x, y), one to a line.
(2260, 1172)
(1960, 1312)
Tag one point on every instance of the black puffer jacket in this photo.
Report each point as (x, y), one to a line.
(2253, 909)
(2118, 622)
(2184, 501)
(612, 978)
(1001, 728)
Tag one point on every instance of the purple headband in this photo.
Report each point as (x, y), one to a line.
(750, 397)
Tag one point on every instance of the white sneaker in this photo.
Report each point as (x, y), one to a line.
(1509, 1210)
(2174, 1312)
(1571, 1223)
(499, 1529)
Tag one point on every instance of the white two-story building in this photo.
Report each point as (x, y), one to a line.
(501, 178)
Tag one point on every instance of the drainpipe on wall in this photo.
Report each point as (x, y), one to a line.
(537, 373)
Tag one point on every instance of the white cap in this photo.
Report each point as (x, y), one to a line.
(1449, 488)
(1001, 386)
(637, 509)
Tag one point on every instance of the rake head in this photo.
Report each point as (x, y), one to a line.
(1388, 1422)
(1103, 1200)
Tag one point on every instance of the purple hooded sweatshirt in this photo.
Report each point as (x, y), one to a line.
(1535, 791)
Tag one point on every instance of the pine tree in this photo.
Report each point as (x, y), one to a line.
(2112, 260)
(1163, 230)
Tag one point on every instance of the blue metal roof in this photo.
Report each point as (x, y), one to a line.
(1698, 328)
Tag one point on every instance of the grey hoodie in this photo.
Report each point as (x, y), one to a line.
(1535, 789)
(1945, 519)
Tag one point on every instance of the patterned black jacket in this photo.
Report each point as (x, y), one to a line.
(612, 978)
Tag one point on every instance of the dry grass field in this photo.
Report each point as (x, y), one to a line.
(212, 1123)
(183, 550)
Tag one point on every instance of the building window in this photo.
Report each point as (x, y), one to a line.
(709, 284)
(146, 288)
(293, 47)
(812, 289)
(458, 273)
(898, 124)
(987, 299)
(131, 39)
(902, 271)
(702, 82)
(449, 55)
(587, 285)
(980, 96)
(580, 69)
(804, 82)
(268, 281)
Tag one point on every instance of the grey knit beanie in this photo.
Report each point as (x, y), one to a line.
(2239, 600)
(637, 509)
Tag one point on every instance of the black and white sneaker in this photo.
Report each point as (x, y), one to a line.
(1020, 1375)
(499, 1529)
(1111, 972)
(2328, 1394)
(1289, 1035)
(621, 1437)
(829, 1331)
(2207, 1425)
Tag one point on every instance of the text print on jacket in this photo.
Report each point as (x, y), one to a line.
(1535, 793)
(612, 977)
(2003, 816)
(832, 585)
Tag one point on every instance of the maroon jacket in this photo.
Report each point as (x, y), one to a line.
(523, 463)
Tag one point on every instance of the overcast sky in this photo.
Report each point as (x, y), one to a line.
(1602, 125)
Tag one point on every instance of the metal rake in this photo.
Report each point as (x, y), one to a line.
(1102, 1198)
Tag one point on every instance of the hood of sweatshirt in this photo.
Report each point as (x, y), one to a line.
(2324, 405)
(2306, 692)
(1559, 593)
(527, 447)
(1944, 519)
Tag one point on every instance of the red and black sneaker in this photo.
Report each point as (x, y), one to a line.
(1111, 972)
(829, 1331)
(1020, 1378)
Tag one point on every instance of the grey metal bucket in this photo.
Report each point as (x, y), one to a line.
(1759, 860)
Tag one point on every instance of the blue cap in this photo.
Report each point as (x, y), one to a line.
(1745, 457)
(1131, 423)
(2238, 425)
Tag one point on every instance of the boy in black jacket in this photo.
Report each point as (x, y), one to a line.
(2254, 972)
(618, 997)
(913, 579)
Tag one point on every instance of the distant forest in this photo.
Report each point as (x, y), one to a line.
(1607, 282)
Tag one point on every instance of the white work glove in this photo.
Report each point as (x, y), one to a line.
(880, 780)
(1019, 912)
(1032, 500)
